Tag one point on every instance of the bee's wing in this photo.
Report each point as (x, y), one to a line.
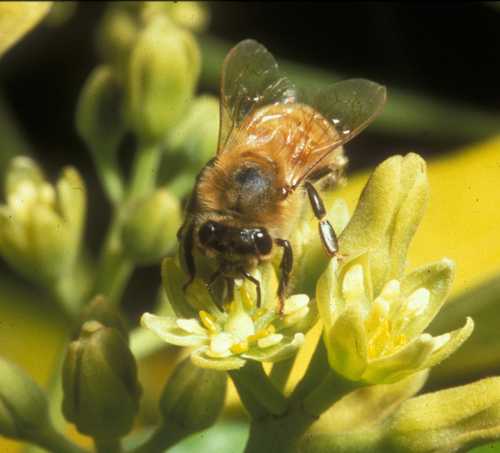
(350, 106)
(250, 79)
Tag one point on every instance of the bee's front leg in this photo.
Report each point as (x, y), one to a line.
(286, 268)
(326, 231)
(256, 282)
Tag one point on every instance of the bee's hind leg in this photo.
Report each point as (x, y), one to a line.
(286, 266)
(326, 231)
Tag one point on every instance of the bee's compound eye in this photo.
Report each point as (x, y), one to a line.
(207, 232)
(263, 241)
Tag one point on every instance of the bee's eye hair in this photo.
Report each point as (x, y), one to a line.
(263, 241)
(207, 232)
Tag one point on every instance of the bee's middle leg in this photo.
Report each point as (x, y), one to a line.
(326, 231)
(256, 282)
(286, 266)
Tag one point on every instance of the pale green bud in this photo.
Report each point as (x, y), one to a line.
(454, 419)
(387, 215)
(41, 224)
(101, 390)
(193, 397)
(23, 405)
(191, 143)
(162, 74)
(100, 310)
(116, 36)
(150, 227)
(99, 117)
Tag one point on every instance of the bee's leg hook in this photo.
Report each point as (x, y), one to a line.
(286, 266)
(256, 282)
(326, 231)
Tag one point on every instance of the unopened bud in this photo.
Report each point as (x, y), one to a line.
(150, 227)
(100, 310)
(193, 397)
(23, 406)
(101, 390)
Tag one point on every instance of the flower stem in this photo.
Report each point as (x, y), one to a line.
(162, 438)
(280, 372)
(333, 388)
(145, 170)
(256, 391)
(108, 445)
(53, 441)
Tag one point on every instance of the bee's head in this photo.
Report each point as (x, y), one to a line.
(233, 240)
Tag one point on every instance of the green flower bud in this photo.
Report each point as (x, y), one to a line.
(193, 397)
(23, 406)
(388, 213)
(191, 143)
(150, 227)
(99, 113)
(100, 310)
(116, 36)
(41, 224)
(455, 419)
(162, 74)
(101, 390)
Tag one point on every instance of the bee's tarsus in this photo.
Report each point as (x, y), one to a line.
(286, 266)
(256, 282)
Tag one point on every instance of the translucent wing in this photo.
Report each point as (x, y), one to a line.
(250, 79)
(349, 106)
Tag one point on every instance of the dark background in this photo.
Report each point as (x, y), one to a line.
(448, 51)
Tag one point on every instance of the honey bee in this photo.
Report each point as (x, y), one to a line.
(275, 143)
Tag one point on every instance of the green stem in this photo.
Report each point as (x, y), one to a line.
(280, 372)
(114, 267)
(316, 371)
(256, 391)
(333, 388)
(162, 438)
(145, 170)
(53, 441)
(109, 173)
(108, 445)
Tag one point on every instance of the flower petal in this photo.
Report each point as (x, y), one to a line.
(201, 359)
(346, 343)
(287, 348)
(328, 296)
(167, 329)
(448, 343)
(404, 362)
(437, 279)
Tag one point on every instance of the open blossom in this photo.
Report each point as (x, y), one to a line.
(225, 338)
(379, 339)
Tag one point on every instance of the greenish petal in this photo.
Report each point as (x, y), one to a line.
(437, 279)
(287, 348)
(454, 419)
(449, 342)
(346, 344)
(328, 297)
(168, 330)
(201, 359)
(406, 361)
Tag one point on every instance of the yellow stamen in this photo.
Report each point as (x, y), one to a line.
(258, 335)
(240, 347)
(400, 340)
(208, 321)
(260, 312)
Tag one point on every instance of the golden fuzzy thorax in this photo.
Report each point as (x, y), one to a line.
(254, 180)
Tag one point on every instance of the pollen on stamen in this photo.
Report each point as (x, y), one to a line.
(208, 321)
(239, 348)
